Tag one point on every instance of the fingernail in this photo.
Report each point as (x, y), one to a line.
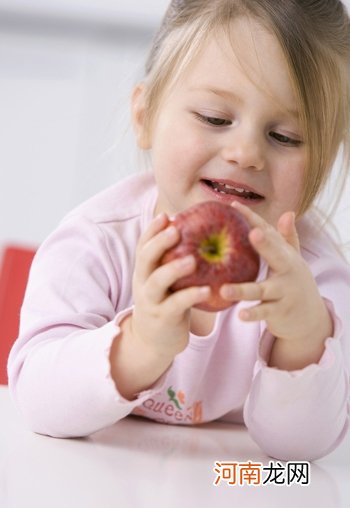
(159, 217)
(292, 217)
(228, 292)
(171, 231)
(186, 262)
(258, 235)
(244, 314)
(204, 291)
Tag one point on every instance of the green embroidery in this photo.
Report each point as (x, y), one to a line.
(172, 397)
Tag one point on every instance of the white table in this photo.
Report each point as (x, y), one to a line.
(137, 463)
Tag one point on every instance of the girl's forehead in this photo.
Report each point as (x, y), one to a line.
(244, 58)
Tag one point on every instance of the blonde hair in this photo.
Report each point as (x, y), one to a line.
(315, 38)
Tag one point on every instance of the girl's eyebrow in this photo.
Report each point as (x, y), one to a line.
(218, 91)
(228, 94)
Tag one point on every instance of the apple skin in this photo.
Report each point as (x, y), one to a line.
(216, 234)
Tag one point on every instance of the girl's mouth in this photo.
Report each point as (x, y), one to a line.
(230, 191)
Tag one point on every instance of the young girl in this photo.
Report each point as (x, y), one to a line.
(245, 102)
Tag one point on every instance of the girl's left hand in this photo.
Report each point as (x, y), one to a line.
(290, 301)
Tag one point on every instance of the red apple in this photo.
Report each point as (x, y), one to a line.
(216, 234)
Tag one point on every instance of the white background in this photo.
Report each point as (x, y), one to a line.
(67, 68)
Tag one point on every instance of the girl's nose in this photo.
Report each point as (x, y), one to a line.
(244, 149)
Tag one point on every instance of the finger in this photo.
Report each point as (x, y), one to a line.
(253, 219)
(154, 227)
(260, 312)
(265, 240)
(163, 278)
(150, 253)
(180, 301)
(286, 227)
(251, 291)
(273, 248)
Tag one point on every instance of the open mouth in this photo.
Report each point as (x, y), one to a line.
(226, 189)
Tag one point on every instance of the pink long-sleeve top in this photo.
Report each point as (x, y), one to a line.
(78, 292)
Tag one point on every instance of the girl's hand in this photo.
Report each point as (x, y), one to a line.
(290, 302)
(161, 319)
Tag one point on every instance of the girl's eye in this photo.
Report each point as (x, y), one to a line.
(212, 120)
(285, 140)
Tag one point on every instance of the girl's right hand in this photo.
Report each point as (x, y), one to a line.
(160, 318)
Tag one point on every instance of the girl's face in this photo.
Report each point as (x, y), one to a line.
(228, 129)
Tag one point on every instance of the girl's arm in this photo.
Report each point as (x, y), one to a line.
(289, 300)
(158, 328)
(298, 405)
(76, 366)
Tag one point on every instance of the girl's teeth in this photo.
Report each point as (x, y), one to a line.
(237, 189)
(223, 188)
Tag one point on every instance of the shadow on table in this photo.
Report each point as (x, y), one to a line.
(141, 464)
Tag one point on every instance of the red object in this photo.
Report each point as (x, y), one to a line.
(217, 236)
(14, 269)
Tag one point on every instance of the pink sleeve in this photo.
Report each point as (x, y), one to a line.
(65, 389)
(59, 372)
(302, 414)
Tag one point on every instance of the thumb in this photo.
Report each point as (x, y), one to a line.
(286, 227)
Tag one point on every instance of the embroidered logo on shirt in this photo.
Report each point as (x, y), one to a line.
(176, 398)
(175, 410)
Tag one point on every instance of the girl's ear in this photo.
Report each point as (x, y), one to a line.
(138, 113)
